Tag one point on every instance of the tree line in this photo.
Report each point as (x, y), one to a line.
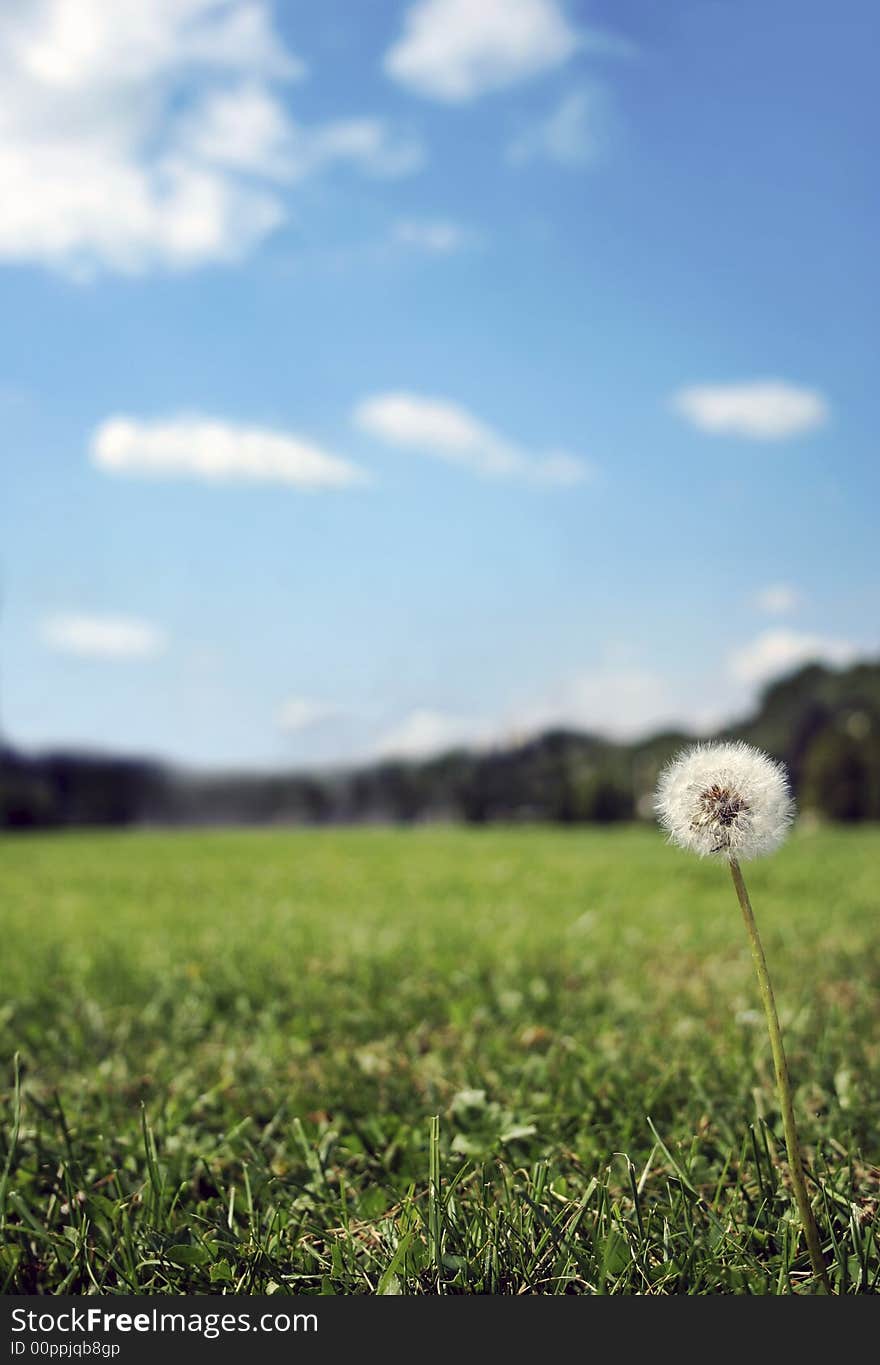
(823, 723)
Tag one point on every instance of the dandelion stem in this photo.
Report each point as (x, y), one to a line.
(783, 1082)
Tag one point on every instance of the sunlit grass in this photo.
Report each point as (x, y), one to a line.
(232, 1046)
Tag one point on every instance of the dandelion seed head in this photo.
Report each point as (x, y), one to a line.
(725, 801)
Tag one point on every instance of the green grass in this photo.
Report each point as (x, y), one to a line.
(233, 1047)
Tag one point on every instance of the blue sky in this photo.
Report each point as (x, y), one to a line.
(380, 377)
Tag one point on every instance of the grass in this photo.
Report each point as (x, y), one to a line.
(235, 1047)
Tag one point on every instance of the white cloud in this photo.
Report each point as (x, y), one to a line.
(241, 128)
(621, 702)
(767, 410)
(423, 733)
(366, 143)
(141, 135)
(218, 452)
(618, 702)
(436, 235)
(777, 599)
(82, 44)
(304, 713)
(775, 652)
(437, 427)
(573, 135)
(103, 637)
(246, 129)
(455, 50)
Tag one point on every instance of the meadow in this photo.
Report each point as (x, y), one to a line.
(435, 1060)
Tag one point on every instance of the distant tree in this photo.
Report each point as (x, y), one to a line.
(836, 777)
(604, 799)
(823, 723)
(26, 801)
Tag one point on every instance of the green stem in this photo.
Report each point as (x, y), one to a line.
(783, 1082)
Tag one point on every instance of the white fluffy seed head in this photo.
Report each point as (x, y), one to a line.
(725, 801)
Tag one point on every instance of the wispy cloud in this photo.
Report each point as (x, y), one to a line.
(245, 129)
(777, 599)
(217, 452)
(142, 135)
(438, 236)
(775, 652)
(767, 410)
(447, 431)
(619, 700)
(304, 713)
(574, 134)
(424, 732)
(103, 637)
(370, 145)
(456, 50)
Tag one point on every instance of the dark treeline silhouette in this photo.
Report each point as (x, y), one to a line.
(823, 723)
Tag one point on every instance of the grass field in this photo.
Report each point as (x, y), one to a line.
(232, 1046)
